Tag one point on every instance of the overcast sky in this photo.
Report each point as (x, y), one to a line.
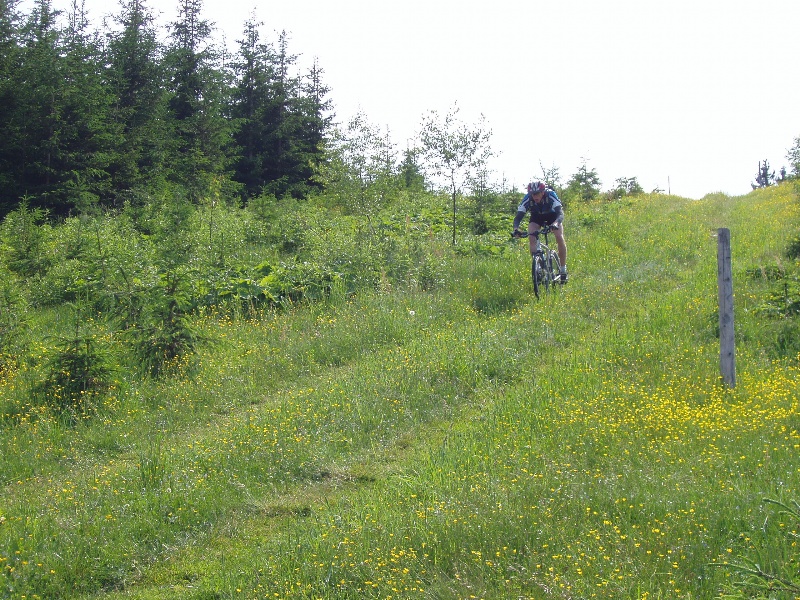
(686, 95)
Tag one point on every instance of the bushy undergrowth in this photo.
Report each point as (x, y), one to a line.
(78, 374)
(282, 401)
(149, 270)
(13, 317)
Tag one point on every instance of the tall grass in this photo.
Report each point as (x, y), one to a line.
(456, 442)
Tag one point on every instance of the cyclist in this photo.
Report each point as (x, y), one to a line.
(545, 209)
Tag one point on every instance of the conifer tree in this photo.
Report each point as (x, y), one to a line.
(136, 78)
(39, 93)
(11, 104)
(584, 185)
(764, 177)
(625, 186)
(85, 131)
(86, 124)
(412, 177)
(197, 103)
(281, 118)
(253, 71)
(316, 112)
(62, 124)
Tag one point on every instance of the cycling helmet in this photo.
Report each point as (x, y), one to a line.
(535, 187)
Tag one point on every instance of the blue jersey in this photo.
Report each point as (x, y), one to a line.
(549, 210)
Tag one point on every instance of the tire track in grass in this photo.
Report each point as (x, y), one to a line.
(100, 523)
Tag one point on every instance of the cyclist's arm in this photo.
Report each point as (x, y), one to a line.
(518, 219)
(559, 210)
(521, 210)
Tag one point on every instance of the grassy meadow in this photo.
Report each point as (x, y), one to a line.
(439, 434)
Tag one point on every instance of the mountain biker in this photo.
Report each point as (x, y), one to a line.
(545, 209)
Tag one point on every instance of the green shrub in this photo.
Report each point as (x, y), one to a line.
(13, 317)
(23, 238)
(162, 335)
(283, 224)
(787, 340)
(78, 374)
(296, 281)
(793, 250)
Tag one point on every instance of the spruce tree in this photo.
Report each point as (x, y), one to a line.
(279, 121)
(39, 94)
(11, 105)
(64, 134)
(764, 177)
(253, 71)
(136, 78)
(86, 132)
(282, 120)
(625, 186)
(411, 175)
(198, 101)
(584, 185)
(316, 120)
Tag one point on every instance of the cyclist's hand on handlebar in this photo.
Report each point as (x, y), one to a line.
(516, 233)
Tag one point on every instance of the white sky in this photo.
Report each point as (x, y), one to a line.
(686, 95)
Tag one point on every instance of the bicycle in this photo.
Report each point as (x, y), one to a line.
(545, 266)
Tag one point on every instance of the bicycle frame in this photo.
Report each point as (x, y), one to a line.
(545, 267)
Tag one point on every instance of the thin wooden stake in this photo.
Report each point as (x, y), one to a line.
(727, 346)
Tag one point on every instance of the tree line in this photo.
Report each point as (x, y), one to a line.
(95, 119)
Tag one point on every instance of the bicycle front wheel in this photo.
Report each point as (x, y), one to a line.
(554, 268)
(538, 274)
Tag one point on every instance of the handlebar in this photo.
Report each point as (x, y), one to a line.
(544, 229)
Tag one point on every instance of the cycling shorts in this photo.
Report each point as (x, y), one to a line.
(542, 220)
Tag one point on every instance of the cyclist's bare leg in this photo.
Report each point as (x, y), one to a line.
(562, 245)
(532, 239)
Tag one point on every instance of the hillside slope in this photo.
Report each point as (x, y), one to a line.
(463, 442)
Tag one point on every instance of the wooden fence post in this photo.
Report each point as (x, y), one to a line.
(727, 347)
